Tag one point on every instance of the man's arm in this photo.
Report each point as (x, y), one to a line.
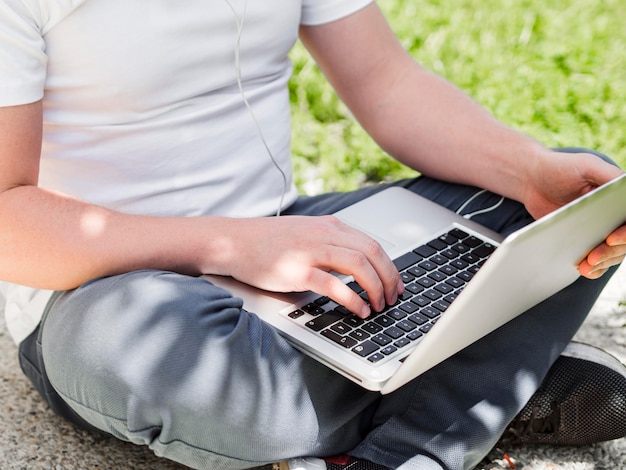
(416, 116)
(53, 241)
(432, 126)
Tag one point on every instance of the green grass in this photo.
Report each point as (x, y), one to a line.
(553, 69)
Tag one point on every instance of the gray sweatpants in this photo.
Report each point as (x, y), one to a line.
(173, 362)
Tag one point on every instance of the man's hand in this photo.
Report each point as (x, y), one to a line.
(608, 254)
(561, 178)
(293, 254)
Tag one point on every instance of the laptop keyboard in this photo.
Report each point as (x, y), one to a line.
(433, 274)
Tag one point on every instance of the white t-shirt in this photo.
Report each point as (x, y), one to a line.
(142, 110)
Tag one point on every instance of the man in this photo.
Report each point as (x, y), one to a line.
(165, 133)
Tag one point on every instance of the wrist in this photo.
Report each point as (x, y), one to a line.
(532, 168)
(204, 245)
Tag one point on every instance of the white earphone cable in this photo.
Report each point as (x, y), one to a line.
(240, 22)
(481, 211)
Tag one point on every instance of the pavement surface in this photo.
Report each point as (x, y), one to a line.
(32, 437)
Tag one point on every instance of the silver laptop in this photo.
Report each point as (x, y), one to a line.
(462, 282)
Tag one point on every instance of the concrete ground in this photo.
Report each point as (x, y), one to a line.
(32, 437)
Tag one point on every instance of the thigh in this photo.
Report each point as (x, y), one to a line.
(175, 363)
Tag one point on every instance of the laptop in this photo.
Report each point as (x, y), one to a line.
(462, 282)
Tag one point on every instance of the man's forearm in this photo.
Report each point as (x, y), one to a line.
(56, 242)
(430, 125)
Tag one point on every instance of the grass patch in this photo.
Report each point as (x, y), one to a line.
(553, 69)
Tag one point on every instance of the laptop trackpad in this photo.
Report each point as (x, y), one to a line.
(386, 244)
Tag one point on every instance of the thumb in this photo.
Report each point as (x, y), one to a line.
(599, 172)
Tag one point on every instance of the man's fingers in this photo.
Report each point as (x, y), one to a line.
(331, 286)
(617, 237)
(356, 264)
(386, 272)
(600, 260)
(604, 252)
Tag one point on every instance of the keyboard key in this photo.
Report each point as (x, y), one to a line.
(359, 335)
(448, 239)
(413, 288)
(381, 339)
(406, 295)
(353, 321)
(437, 244)
(420, 301)
(473, 269)
(321, 301)
(371, 327)
(406, 260)
(408, 307)
(389, 350)
(427, 265)
(396, 314)
(461, 248)
(416, 271)
(426, 328)
(470, 258)
(384, 320)
(448, 270)
(344, 341)
(425, 251)
(296, 314)
(406, 325)
(418, 319)
(432, 294)
(341, 310)
(313, 309)
(322, 321)
(430, 312)
(376, 357)
(455, 282)
(438, 259)
(365, 348)
(402, 342)
(341, 328)
(394, 332)
(426, 282)
(472, 241)
(450, 254)
(444, 288)
(459, 264)
(441, 305)
(413, 335)
(355, 287)
(437, 276)
(484, 250)
(458, 233)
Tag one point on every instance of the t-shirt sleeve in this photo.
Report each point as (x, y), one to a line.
(316, 12)
(22, 55)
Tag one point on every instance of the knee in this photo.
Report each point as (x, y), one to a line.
(154, 336)
(118, 335)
